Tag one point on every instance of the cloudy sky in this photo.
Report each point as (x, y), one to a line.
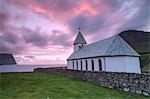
(42, 31)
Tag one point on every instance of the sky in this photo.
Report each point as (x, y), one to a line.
(43, 31)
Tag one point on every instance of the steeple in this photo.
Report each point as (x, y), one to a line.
(79, 42)
(79, 39)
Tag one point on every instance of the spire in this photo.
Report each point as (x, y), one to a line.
(79, 39)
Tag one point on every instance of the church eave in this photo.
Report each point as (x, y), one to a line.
(102, 56)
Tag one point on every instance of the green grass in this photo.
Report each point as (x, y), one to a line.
(47, 86)
(145, 61)
(146, 67)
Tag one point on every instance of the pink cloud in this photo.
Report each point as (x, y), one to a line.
(85, 7)
(62, 10)
(37, 9)
(59, 20)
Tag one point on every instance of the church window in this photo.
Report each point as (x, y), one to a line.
(100, 64)
(86, 64)
(77, 64)
(73, 64)
(92, 65)
(81, 64)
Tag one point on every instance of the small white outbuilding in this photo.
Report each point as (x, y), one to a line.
(112, 54)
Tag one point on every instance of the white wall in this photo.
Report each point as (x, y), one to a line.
(83, 64)
(79, 64)
(96, 64)
(69, 65)
(103, 64)
(133, 64)
(115, 64)
(122, 64)
(89, 64)
(75, 65)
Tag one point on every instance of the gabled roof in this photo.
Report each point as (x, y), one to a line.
(113, 46)
(79, 39)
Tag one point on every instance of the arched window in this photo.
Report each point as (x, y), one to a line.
(92, 65)
(73, 64)
(77, 64)
(100, 64)
(86, 64)
(81, 64)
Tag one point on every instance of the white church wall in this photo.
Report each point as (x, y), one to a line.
(115, 64)
(103, 64)
(96, 64)
(79, 64)
(83, 64)
(69, 64)
(133, 64)
(123, 64)
(89, 64)
(75, 65)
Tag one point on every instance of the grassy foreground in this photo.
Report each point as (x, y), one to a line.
(48, 86)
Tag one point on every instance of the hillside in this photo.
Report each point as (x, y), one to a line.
(140, 41)
(7, 59)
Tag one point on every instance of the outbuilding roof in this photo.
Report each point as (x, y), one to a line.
(113, 46)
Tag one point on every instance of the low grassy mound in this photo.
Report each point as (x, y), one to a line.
(48, 86)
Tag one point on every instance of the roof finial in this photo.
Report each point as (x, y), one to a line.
(79, 28)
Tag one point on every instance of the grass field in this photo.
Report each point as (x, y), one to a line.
(48, 86)
(145, 61)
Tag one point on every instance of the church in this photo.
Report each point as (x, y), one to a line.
(111, 55)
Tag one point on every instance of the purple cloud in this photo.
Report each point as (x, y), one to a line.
(58, 37)
(34, 37)
(122, 15)
(11, 43)
(98, 19)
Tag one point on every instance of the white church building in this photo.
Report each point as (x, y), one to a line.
(112, 54)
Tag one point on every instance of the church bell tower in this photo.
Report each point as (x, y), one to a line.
(79, 42)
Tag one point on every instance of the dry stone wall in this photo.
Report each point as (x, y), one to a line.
(129, 82)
